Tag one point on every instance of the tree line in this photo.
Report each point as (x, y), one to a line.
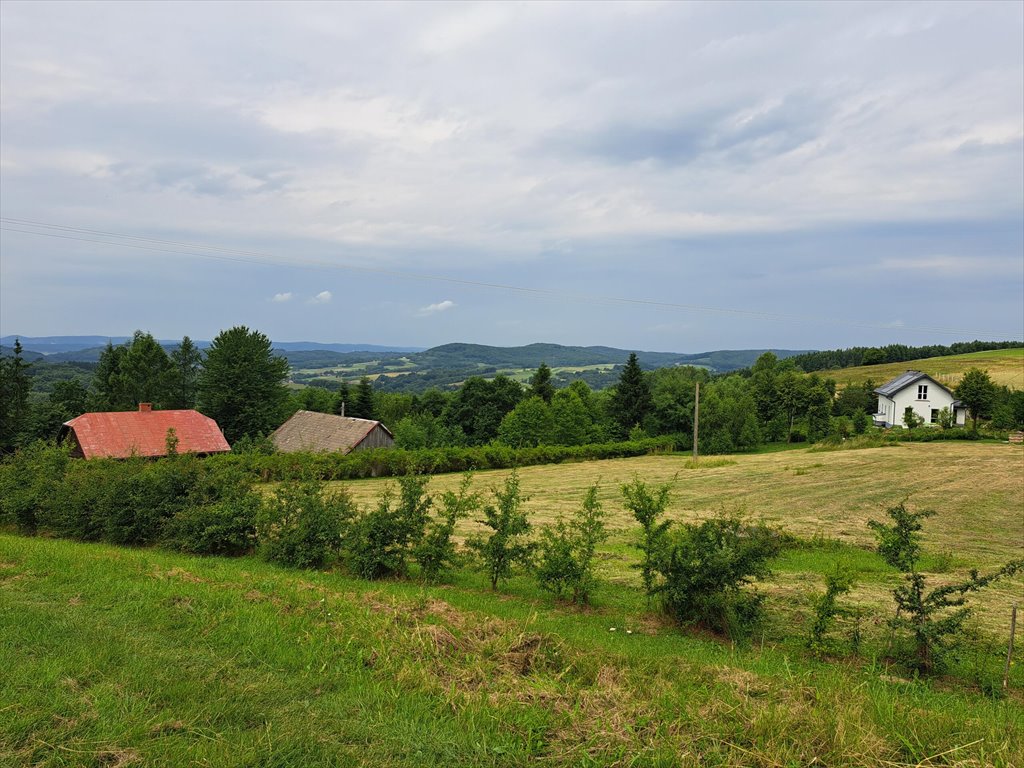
(891, 353)
(242, 384)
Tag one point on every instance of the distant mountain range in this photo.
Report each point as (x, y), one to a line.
(88, 348)
(402, 369)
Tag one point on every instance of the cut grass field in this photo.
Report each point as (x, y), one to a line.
(976, 490)
(141, 657)
(1004, 366)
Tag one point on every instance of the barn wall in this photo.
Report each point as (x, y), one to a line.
(378, 438)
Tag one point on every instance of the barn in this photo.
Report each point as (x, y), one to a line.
(309, 431)
(121, 434)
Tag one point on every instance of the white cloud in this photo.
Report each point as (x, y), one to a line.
(441, 306)
(280, 298)
(324, 297)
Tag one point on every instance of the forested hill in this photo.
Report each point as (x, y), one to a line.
(555, 355)
(459, 356)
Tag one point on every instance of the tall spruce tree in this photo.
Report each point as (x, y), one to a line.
(145, 372)
(242, 383)
(14, 388)
(632, 400)
(362, 401)
(183, 380)
(541, 385)
(108, 382)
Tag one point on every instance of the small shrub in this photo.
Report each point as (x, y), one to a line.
(826, 608)
(300, 526)
(861, 422)
(436, 552)
(933, 618)
(899, 544)
(705, 569)
(648, 508)
(566, 562)
(506, 546)
(381, 540)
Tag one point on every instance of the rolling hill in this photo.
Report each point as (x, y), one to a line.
(1004, 366)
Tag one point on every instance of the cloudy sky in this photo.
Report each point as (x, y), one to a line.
(665, 176)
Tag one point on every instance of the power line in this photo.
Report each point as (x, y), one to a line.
(263, 258)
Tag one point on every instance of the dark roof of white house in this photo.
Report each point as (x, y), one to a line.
(903, 381)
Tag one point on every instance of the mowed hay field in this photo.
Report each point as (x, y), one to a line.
(975, 489)
(1004, 366)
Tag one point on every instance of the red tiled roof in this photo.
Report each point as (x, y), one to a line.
(144, 433)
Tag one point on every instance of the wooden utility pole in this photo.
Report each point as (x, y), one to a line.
(696, 421)
(1009, 650)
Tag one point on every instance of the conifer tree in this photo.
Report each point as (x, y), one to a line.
(632, 400)
(362, 401)
(540, 384)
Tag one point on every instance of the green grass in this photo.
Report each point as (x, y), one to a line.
(139, 657)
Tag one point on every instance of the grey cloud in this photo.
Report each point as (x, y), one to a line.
(737, 134)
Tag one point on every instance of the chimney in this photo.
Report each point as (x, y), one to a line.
(342, 407)
(145, 407)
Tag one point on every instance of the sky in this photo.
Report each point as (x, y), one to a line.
(661, 176)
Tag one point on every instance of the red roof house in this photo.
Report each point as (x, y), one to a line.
(120, 435)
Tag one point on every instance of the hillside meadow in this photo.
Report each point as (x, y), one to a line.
(1004, 366)
(127, 656)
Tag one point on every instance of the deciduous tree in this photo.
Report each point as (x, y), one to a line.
(977, 392)
(242, 383)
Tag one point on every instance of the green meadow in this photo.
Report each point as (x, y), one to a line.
(118, 656)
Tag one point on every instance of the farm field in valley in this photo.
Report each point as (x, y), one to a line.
(117, 656)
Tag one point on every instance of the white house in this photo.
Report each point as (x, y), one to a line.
(922, 393)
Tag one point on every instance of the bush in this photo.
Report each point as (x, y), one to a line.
(566, 562)
(826, 608)
(222, 528)
(436, 550)
(301, 526)
(29, 482)
(648, 508)
(932, 618)
(506, 546)
(395, 462)
(705, 568)
(380, 540)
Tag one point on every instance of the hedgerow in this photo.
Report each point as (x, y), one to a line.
(396, 462)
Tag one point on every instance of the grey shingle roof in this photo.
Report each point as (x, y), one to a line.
(311, 431)
(903, 380)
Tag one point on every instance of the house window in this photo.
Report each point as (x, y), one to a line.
(922, 391)
(935, 415)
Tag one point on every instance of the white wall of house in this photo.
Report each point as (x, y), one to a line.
(926, 396)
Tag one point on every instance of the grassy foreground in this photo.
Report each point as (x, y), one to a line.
(116, 657)
(139, 657)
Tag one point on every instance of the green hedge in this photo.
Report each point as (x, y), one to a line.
(394, 462)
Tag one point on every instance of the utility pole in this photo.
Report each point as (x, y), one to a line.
(696, 421)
